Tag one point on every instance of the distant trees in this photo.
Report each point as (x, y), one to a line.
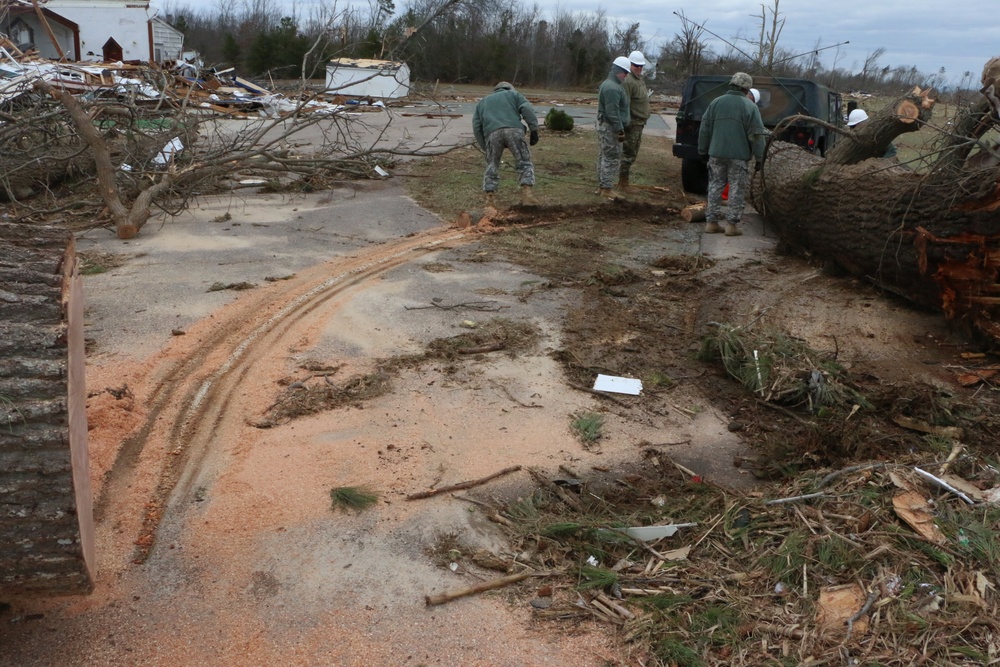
(484, 41)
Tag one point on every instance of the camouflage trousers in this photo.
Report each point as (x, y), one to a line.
(630, 148)
(720, 172)
(513, 139)
(609, 157)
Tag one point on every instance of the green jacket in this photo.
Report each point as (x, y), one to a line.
(638, 98)
(731, 128)
(612, 103)
(504, 107)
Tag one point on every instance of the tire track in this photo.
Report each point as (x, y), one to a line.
(197, 394)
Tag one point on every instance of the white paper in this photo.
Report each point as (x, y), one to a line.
(618, 385)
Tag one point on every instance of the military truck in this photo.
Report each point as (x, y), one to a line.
(779, 99)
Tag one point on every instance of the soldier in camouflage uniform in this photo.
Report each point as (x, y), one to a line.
(612, 118)
(731, 133)
(496, 124)
(638, 102)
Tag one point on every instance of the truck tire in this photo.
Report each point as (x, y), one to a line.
(694, 176)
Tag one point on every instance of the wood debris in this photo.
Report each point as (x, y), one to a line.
(756, 582)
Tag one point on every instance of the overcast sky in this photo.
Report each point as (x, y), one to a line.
(958, 35)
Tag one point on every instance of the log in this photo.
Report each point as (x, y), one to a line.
(694, 212)
(931, 238)
(906, 114)
(46, 524)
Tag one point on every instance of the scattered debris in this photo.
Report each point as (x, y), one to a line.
(219, 287)
(843, 569)
(463, 485)
(618, 385)
(432, 600)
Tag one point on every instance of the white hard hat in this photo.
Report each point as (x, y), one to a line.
(622, 61)
(756, 95)
(856, 116)
(636, 58)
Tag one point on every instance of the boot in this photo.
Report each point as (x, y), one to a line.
(731, 230)
(713, 228)
(527, 198)
(491, 199)
(609, 193)
(622, 183)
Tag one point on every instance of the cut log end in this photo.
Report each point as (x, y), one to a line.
(126, 232)
(694, 212)
(907, 111)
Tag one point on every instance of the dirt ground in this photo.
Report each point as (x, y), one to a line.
(216, 538)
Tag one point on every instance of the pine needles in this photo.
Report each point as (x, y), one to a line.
(346, 498)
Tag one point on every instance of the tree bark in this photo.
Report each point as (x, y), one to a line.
(46, 522)
(929, 238)
(872, 139)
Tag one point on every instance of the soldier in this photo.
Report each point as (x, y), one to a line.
(638, 101)
(612, 119)
(496, 124)
(731, 133)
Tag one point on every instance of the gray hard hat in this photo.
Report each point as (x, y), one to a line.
(741, 80)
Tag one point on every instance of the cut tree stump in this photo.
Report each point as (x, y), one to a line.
(46, 519)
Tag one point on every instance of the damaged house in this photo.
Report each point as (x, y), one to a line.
(119, 30)
(28, 27)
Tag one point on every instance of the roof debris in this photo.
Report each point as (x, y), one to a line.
(222, 91)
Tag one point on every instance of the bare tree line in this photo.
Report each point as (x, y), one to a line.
(483, 41)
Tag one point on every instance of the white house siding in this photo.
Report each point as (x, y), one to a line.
(100, 20)
(168, 41)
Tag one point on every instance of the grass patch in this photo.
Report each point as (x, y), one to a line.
(587, 426)
(565, 174)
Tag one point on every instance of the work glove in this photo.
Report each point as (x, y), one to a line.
(534, 137)
(621, 135)
(757, 165)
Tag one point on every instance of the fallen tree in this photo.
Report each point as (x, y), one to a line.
(930, 235)
(156, 153)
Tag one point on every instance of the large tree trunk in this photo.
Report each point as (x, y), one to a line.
(906, 114)
(46, 522)
(933, 238)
